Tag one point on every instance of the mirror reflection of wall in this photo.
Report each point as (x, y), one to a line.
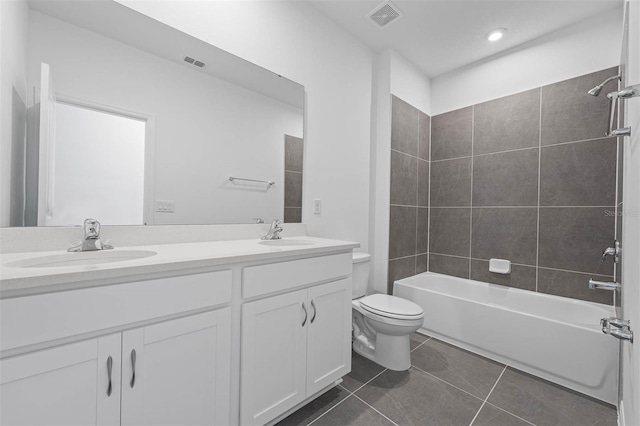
(202, 128)
(98, 167)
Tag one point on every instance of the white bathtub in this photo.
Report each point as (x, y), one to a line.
(556, 338)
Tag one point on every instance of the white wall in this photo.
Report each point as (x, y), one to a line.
(14, 27)
(393, 75)
(99, 168)
(298, 42)
(205, 129)
(409, 83)
(630, 353)
(580, 49)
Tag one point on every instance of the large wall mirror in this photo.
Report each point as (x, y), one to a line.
(133, 122)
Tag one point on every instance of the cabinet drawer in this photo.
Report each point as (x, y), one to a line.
(274, 277)
(35, 319)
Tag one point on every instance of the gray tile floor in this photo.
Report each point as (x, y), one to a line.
(447, 385)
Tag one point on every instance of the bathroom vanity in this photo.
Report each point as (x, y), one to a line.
(222, 332)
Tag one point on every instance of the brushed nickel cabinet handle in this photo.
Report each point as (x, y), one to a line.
(109, 368)
(313, 305)
(133, 368)
(304, 308)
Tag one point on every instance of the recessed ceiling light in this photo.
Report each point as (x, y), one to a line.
(496, 34)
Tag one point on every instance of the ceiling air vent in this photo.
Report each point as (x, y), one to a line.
(385, 14)
(194, 62)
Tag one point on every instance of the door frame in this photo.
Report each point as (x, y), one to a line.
(149, 145)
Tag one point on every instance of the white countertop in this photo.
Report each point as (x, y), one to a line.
(17, 281)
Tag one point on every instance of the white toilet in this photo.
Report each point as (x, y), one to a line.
(381, 323)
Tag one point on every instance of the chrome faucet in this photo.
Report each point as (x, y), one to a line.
(91, 240)
(593, 285)
(614, 251)
(274, 231)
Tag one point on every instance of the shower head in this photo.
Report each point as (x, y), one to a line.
(596, 90)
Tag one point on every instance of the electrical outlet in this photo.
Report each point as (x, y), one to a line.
(317, 206)
(164, 206)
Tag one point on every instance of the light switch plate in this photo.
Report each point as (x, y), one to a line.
(317, 206)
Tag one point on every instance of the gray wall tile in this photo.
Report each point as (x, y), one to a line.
(423, 183)
(451, 183)
(579, 174)
(402, 231)
(507, 123)
(570, 114)
(449, 231)
(405, 125)
(523, 277)
(292, 189)
(399, 269)
(293, 153)
(451, 134)
(424, 139)
(573, 284)
(404, 179)
(506, 179)
(505, 233)
(421, 263)
(573, 238)
(422, 231)
(293, 214)
(448, 265)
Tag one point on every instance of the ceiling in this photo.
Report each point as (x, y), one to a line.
(439, 36)
(121, 23)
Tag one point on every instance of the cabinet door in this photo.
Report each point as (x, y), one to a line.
(178, 372)
(329, 335)
(273, 366)
(65, 385)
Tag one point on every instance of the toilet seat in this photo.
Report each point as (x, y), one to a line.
(391, 307)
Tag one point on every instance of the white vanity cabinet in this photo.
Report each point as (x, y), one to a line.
(298, 343)
(174, 372)
(166, 366)
(242, 340)
(178, 372)
(65, 385)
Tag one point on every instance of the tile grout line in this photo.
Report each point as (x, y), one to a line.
(321, 415)
(374, 409)
(539, 179)
(488, 395)
(514, 150)
(415, 251)
(369, 381)
(523, 264)
(420, 345)
(444, 381)
(510, 413)
(473, 119)
(429, 195)
(348, 396)
(515, 207)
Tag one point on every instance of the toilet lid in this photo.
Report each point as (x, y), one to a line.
(391, 306)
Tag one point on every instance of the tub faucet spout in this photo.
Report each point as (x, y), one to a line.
(593, 285)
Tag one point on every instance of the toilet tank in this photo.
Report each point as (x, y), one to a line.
(360, 274)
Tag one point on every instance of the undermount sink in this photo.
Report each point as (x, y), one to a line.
(81, 258)
(287, 242)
